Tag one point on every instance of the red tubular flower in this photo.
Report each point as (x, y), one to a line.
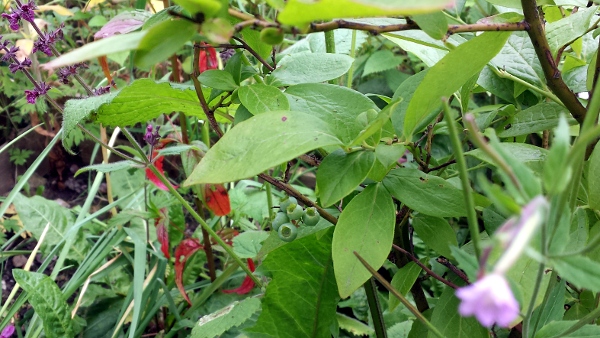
(247, 284)
(208, 58)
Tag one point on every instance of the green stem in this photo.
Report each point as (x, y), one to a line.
(546, 93)
(376, 315)
(204, 225)
(352, 54)
(330, 46)
(464, 178)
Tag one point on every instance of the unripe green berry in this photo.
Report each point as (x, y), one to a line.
(294, 211)
(271, 35)
(311, 217)
(280, 218)
(287, 232)
(285, 201)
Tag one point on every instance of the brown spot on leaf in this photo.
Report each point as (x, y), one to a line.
(284, 118)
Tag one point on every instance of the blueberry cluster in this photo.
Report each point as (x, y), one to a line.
(290, 216)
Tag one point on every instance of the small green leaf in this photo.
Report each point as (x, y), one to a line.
(259, 143)
(259, 98)
(434, 24)
(354, 326)
(340, 173)
(428, 194)
(218, 79)
(542, 116)
(581, 271)
(208, 8)
(405, 91)
(162, 41)
(381, 61)
(112, 45)
(301, 299)
(436, 233)
(232, 315)
(366, 226)
(47, 301)
(403, 281)
(107, 167)
(455, 72)
(248, 243)
(298, 12)
(557, 171)
(311, 68)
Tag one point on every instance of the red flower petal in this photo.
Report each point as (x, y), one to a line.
(184, 250)
(150, 175)
(206, 62)
(217, 199)
(247, 284)
(163, 237)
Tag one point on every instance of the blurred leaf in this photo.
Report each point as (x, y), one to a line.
(581, 271)
(381, 61)
(451, 324)
(162, 41)
(123, 23)
(353, 325)
(248, 243)
(434, 24)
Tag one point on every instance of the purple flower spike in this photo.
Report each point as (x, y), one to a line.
(8, 331)
(27, 11)
(13, 20)
(43, 46)
(10, 54)
(152, 137)
(32, 95)
(490, 300)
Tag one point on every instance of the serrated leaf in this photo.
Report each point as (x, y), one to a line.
(340, 173)
(298, 12)
(259, 98)
(232, 315)
(259, 143)
(455, 72)
(311, 68)
(381, 61)
(302, 297)
(428, 194)
(366, 226)
(353, 325)
(47, 301)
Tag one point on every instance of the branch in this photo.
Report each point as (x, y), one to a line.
(544, 54)
(425, 268)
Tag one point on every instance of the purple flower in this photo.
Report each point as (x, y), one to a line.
(13, 20)
(490, 300)
(101, 90)
(43, 46)
(10, 54)
(8, 331)
(152, 137)
(27, 11)
(32, 95)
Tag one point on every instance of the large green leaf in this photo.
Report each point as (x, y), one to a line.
(259, 98)
(528, 154)
(405, 91)
(338, 106)
(301, 299)
(448, 75)
(563, 31)
(311, 68)
(581, 271)
(542, 116)
(428, 194)
(436, 233)
(139, 102)
(366, 226)
(450, 323)
(47, 301)
(111, 45)
(298, 12)
(340, 173)
(518, 58)
(224, 319)
(259, 143)
(37, 212)
(162, 41)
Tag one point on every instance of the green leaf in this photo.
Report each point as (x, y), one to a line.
(403, 281)
(76, 110)
(405, 91)
(436, 233)
(259, 143)
(47, 301)
(301, 299)
(259, 98)
(107, 167)
(434, 24)
(563, 31)
(554, 329)
(354, 326)
(428, 194)
(311, 68)
(298, 12)
(557, 170)
(232, 315)
(532, 156)
(218, 79)
(252, 38)
(542, 116)
(552, 309)
(114, 44)
(451, 324)
(580, 271)
(593, 179)
(387, 157)
(208, 8)
(338, 106)
(162, 41)
(381, 61)
(340, 173)
(37, 212)
(248, 243)
(366, 226)
(139, 102)
(517, 57)
(448, 75)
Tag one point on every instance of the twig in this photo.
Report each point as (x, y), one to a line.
(253, 52)
(210, 116)
(425, 268)
(445, 262)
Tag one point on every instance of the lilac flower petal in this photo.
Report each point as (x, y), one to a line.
(490, 300)
(8, 331)
(122, 23)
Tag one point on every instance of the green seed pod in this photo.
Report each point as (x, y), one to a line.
(280, 218)
(285, 201)
(294, 211)
(287, 232)
(311, 217)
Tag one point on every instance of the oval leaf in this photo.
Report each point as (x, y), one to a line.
(436, 233)
(309, 67)
(259, 98)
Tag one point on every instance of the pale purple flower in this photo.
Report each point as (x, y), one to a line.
(13, 20)
(8, 331)
(27, 11)
(490, 300)
(152, 137)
